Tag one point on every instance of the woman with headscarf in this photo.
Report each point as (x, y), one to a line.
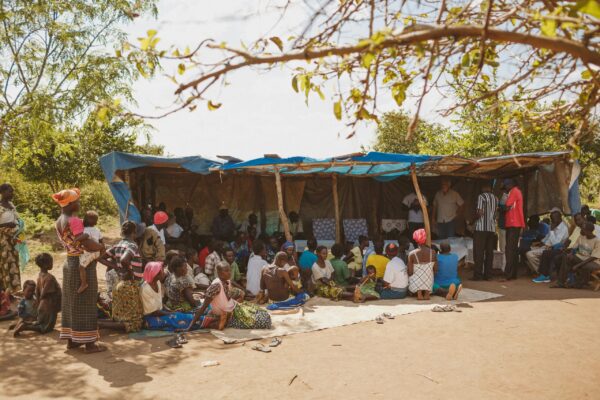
(79, 315)
(9, 256)
(422, 263)
(155, 317)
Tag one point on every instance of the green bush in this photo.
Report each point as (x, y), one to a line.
(97, 196)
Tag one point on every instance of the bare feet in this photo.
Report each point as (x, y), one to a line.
(94, 348)
(458, 289)
(419, 295)
(72, 345)
(426, 294)
(18, 328)
(82, 288)
(451, 292)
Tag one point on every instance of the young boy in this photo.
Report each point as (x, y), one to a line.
(27, 309)
(48, 294)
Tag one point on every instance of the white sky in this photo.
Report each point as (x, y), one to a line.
(260, 112)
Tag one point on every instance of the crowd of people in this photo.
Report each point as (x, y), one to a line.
(164, 275)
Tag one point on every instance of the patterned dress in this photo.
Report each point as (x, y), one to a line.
(9, 256)
(79, 311)
(175, 292)
(422, 277)
(245, 315)
(127, 305)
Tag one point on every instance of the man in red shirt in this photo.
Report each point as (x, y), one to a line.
(514, 222)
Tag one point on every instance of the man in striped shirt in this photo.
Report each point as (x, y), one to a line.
(484, 237)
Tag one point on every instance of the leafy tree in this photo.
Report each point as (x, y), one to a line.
(537, 50)
(56, 71)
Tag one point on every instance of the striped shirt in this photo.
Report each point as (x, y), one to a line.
(488, 204)
(123, 247)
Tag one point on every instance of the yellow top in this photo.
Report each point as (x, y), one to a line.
(379, 262)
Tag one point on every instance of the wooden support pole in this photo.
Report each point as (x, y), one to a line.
(282, 216)
(336, 206)
(413, 175)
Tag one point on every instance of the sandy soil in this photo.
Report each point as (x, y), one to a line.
(533, 343)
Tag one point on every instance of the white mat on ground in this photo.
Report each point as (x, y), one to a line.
(319, 313)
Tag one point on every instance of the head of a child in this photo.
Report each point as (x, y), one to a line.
(445, 248)
(28, 289)
(281, 259)
(178, 266)
(378, 246)
(337, 250)
(90, 219)
(169, 256)
(229, 256)
(191, 256)
(322, 253)
(371, 271)
(403, 244)
(44, 261)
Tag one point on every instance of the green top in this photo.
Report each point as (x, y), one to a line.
(236, 275)
(342, 273)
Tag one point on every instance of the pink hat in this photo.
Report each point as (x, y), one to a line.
(160, 218)
(420, 236)
(152, 269)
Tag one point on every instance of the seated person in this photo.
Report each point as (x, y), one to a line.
(583, 261)
(378, 259)
(155, 318)
(275, 282)
(446, 281)
(290, 249)
(272, 248)
(535, 232)
(365, 290)
(342, 273)
(305, 262)
(220, 296)
(354, 258)
(180, 287)
(241, 248)
(191, 258)
(127, 310)
(174, 233)
(395, 279)
(540, 256)
(27, 308)
(48, 294)
(323, 278)
(236, 275)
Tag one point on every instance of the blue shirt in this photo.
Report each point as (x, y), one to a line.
(447, 269)
(531, 235)
(307, 259)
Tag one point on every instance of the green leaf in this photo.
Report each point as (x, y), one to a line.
(399, 93)
(337, 110)
(367, 59)
(548, 27)
(181, 69)
(213, 106)
(295, 83)
(277, 42)
(590, 7)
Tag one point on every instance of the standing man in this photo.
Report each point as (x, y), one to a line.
(446, 206)
(223, 227)
(484, 237)
(415, 214)
(514, 223)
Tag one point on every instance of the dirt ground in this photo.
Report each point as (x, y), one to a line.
(532, 343)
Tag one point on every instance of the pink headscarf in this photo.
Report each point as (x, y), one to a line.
(151, 270)
(420, 236)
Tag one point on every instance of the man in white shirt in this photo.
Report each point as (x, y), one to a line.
(395, 279)
(415, 213)
(447, 204)
(256, 263)
(541, 257)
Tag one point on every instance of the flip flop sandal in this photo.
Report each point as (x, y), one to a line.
(173, 343)
(181, 339)
(379, 319)
(388, 315)
(260, 347)
(275, 342)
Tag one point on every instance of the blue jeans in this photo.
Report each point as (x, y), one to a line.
(392, 293)
(446, 229)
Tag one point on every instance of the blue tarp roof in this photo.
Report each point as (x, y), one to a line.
(118, 161)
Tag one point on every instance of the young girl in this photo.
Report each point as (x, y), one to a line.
(422, 263)
(365, 290)
(48, 294)
(27, 309)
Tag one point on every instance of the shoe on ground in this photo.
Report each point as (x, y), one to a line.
(541, 279)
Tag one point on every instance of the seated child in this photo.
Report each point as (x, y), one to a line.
(27, 309)
(48, 294)
(446, 281)
(191, 257)
(342, 273)
(365, 290)
(236, 275)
